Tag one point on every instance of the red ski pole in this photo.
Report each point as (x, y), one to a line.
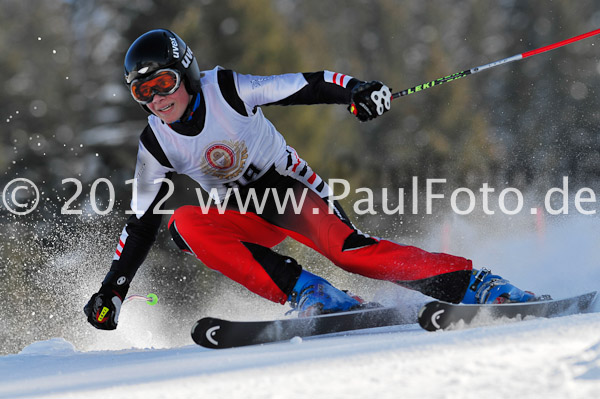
(472, 71)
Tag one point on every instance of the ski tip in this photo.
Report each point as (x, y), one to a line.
(431, 316)
(438, 315)
(206, 332)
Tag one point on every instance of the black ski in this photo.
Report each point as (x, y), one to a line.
(216, 333)
(438, 315)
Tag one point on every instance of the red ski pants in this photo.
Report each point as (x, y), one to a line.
(238, 245)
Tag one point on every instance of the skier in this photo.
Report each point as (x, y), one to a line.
(209, 126)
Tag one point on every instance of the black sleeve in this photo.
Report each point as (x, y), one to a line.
(246, 92)
(140, 236)
(318, 91)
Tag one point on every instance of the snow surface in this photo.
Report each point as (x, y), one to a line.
(541, 358)
(556, 358)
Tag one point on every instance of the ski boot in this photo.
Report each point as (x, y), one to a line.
(486, 287)
(313, 295)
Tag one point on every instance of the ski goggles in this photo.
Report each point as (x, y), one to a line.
(162, 82)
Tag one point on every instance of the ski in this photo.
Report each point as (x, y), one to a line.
(211, 332)
(439, 315)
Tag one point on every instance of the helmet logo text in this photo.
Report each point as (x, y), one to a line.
(175, 47)
(187, 58)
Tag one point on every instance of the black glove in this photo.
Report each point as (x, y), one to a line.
(369, 100)
(103, 308)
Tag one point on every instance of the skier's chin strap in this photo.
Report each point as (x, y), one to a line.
(192, 120)
(191, 108)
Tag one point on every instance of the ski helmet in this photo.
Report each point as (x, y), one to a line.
(158, 49)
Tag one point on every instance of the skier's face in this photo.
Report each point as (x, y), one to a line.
(170, 108)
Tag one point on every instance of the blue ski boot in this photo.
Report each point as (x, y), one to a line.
(486, 287)
(313, 295)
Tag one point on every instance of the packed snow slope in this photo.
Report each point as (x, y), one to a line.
(555, 358)
(541, 358)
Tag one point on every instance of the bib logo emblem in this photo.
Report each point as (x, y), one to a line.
(224, 160)
(220, 156)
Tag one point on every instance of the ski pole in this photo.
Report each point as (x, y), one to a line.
(151, 299)
(472, 71)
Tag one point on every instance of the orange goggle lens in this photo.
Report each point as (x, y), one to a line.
(163, 83)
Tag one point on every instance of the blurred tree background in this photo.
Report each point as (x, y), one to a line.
(65, 113)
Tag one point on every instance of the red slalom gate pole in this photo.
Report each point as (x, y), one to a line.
(472, 71)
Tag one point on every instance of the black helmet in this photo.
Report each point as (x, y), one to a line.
(158, 49)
